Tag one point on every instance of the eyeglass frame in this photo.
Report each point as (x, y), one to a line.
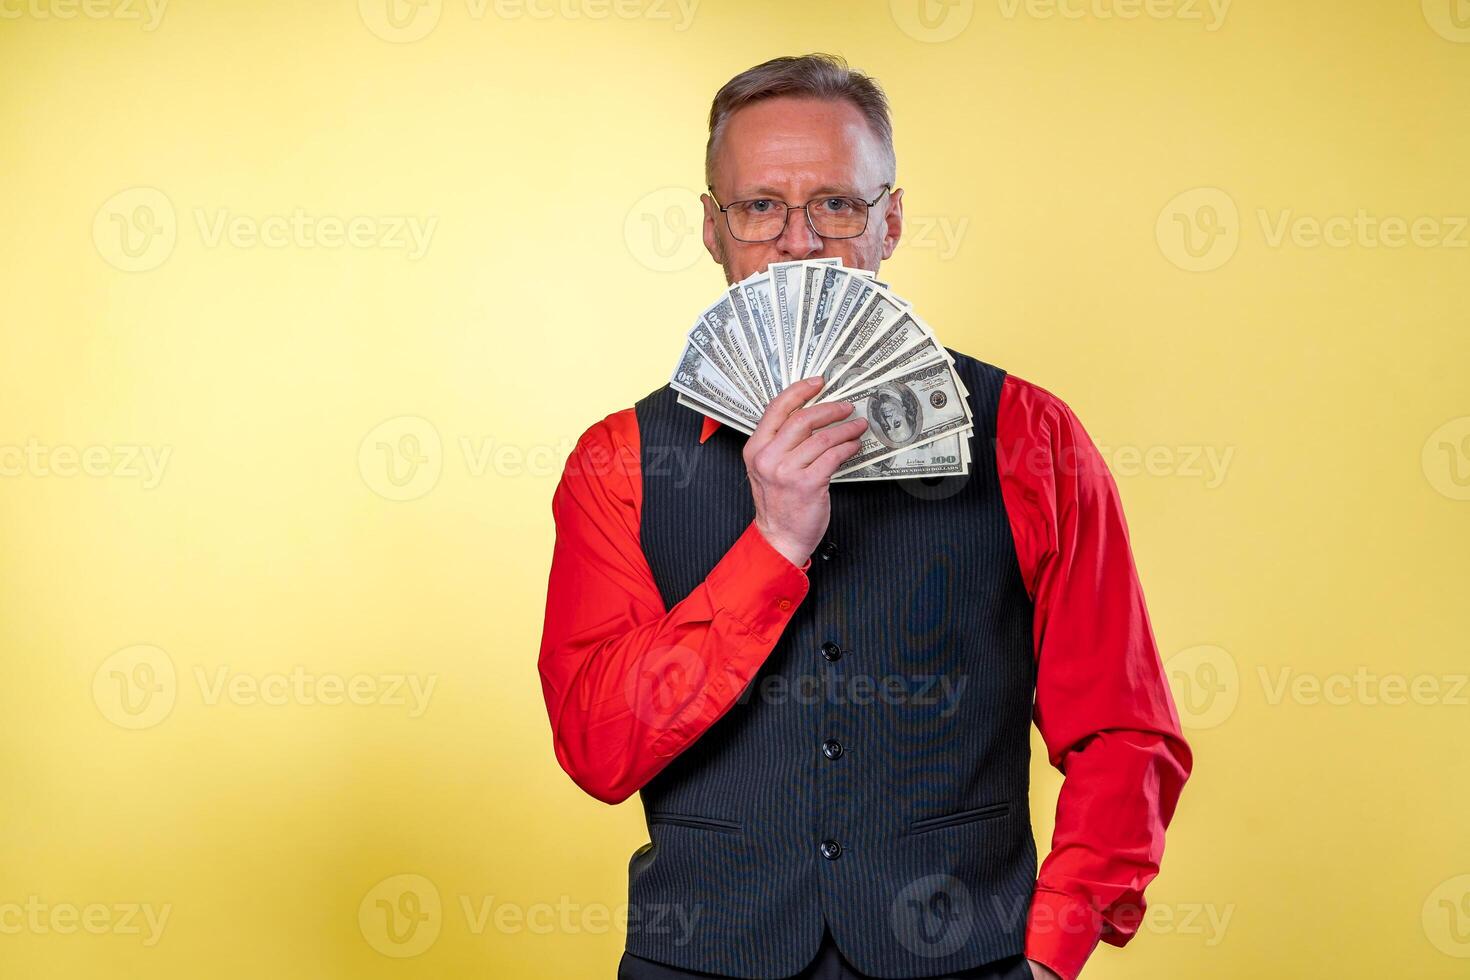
(725, 210)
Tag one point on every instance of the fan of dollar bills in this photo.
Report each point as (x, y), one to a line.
(818, 317)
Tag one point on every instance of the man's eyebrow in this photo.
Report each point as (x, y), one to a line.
(766, 190)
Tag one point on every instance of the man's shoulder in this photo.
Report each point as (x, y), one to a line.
(1014, 387)
(602, 463)
(613, 432)
(1043, 400)
(619, 431)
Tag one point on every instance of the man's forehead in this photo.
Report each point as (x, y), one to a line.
(799, 144)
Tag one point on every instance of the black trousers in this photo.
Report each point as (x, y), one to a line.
(829, 965)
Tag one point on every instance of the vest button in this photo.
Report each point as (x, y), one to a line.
(831, 651)
(832, 748)
(828, 551)
(831, 850)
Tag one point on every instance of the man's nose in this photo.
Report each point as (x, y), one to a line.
(797, 239)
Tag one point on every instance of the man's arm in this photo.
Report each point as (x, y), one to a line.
(629, 684)
(1103, 706)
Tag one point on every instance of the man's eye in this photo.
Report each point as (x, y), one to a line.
(760, 206)
(837, 205)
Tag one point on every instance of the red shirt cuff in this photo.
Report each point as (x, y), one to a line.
(758, 585)
(1061, 932)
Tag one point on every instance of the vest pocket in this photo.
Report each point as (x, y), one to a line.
(697, 823)
(961, 817)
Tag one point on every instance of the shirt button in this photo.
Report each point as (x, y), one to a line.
(831, 850)
(828, 552)
(783, 604)
(831, 651)
(832, 748)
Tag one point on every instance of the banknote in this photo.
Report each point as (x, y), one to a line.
(793, 320)
(853, 299)
(905, 410)
(819, 304)
(947, 456)
(789, 280)
(761, 308)
(722, 323)
(700, 379)
(899, 339)
(874, 319)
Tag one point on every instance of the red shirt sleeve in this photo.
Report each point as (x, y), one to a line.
(1103, 705)
(629, 684)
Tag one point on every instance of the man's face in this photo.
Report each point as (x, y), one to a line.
(792, 150)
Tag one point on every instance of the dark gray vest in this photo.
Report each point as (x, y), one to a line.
(875, 773)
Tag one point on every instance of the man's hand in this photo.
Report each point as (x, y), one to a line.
(1042, 972)
(791, 459)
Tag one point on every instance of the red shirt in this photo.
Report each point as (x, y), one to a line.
(1103, 706)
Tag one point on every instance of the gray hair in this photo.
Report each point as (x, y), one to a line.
(816, 76)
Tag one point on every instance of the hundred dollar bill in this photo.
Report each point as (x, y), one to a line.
(785, 295)
(751, 341)
(819, 303)
(870, 323)
(903, 341)
(852, 302)
(811, 286)
(725, 327)
(701, 380)
(703, 339)
(756, 291)
(718, 416)
(945, 456)
(788, 285)
(906, 410)
(919, 357)
(791, 320)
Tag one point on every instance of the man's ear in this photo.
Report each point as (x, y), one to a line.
(712, 242)
(893, 222)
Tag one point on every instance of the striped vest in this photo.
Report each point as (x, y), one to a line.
(874, 774)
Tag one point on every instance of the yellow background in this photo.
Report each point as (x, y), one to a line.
(556, 149)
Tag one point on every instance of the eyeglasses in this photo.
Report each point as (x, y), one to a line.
(763, 219)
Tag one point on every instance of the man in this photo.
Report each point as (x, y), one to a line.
(824, 694)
